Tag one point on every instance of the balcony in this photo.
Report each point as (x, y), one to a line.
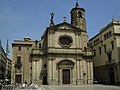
(88, 53)
(18, 65)
(37, 51)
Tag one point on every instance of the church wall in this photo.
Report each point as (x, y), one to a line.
(39, 67)
(70, 57)
(55, 76)
(84, 38)
(53, 39)
(81, 73)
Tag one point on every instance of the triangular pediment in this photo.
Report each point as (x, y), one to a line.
(66, 26)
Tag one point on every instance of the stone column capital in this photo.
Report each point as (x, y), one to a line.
(52, 58)
(78, 59)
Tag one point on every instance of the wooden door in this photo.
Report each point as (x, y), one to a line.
(66, 76)
(18, 78)
(44, 80)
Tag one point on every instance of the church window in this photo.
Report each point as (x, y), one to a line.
(100, 50)
(27, 48)
(45, 65)
(65, 40)
(30, 67)
(105, 49)
(94, 52)
(110, 33)
(39, 45)
(19, 48)
(18, 59)
(18, 63)
(85, 49)
(109, 53)
(112, 44)
(79, 14)
(107, 35)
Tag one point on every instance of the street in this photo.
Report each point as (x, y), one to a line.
(81, 87)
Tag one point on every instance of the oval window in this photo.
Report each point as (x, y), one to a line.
(65, 40)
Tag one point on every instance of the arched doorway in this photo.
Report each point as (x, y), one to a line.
(65, 71)
(112, 76)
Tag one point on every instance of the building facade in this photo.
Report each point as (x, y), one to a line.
(3, 63)
(60, 57)
(8, 69)
(106, 48)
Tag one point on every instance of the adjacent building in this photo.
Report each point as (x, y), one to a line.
(60, 57)
(3, 61)
(106, 49)
(5, 65)
(8, 69)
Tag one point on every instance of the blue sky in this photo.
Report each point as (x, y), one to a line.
(21, 17)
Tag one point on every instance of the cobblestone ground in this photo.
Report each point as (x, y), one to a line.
(81, 87)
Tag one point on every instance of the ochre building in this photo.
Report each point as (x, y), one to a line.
(60, 57)
(106, 48)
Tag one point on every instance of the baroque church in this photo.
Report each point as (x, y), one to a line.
(60, 57)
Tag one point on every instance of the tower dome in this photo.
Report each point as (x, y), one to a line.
(27, 38)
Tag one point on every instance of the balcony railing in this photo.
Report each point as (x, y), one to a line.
(37, 51)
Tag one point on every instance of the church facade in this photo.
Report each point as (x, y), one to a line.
(60, 57)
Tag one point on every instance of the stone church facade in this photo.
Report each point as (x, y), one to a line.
(60, 57)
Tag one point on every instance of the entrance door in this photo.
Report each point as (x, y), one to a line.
(18, 78)
(112, 76)
(44, 80)
(66, 76)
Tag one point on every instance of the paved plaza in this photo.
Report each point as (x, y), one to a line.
(83, 87)
(80, 87)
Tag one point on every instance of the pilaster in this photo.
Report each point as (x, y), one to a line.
(79, 71)
(51, 71)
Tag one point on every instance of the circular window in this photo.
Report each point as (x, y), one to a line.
(65, 40)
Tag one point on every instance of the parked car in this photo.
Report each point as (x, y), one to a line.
(95, 81)
(33, 86)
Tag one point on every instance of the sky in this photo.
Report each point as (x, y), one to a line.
(21, 17)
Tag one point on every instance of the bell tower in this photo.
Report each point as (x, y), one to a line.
(78, 17)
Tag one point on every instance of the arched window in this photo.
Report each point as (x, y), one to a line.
(79, 14)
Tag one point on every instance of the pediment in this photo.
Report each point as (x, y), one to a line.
(66, 26)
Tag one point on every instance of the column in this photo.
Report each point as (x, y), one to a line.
(81, 71)
(78, 71)
(49, 70)
(38, 73)
(51, 73)
(53, 69)
(88, 71)
(33, 70)
(84, 72)
(91, 74)
(60, 76)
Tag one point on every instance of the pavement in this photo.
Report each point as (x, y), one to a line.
(75, 87)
